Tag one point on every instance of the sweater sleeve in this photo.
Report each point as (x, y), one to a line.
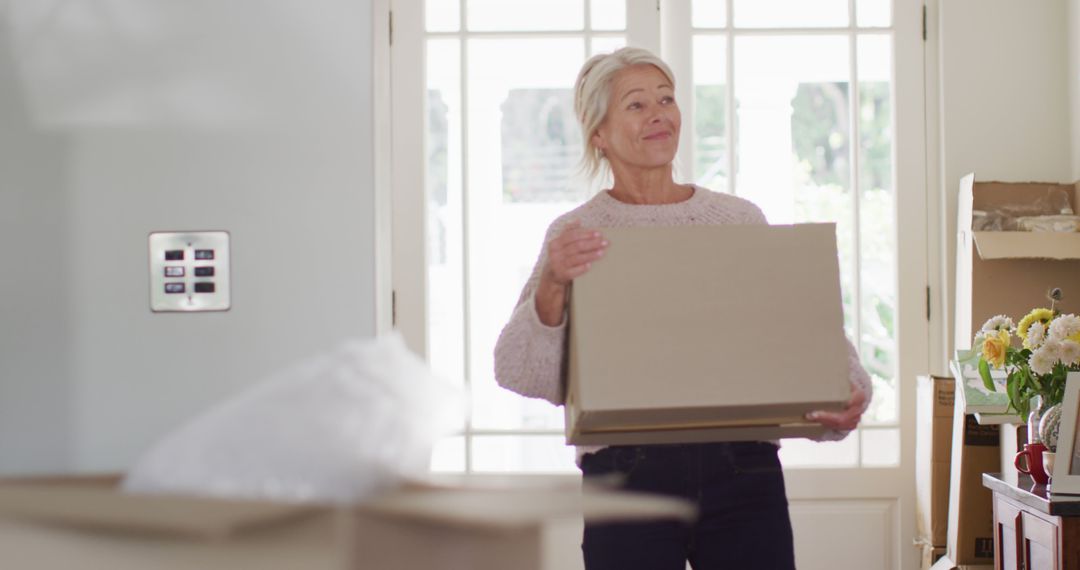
(858, 376)
(529, 355)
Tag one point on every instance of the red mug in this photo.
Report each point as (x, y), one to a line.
(1033, 464)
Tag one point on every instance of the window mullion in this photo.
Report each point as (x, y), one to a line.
(731, 132)
(676, 34)
(465, 230)
(643, 24)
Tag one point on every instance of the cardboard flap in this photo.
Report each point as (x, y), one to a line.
(1027, 245)
(90, 504)
(505, 510)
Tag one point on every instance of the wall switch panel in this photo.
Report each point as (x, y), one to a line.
(189, 271)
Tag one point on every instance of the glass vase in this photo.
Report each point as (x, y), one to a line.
(1033, 420)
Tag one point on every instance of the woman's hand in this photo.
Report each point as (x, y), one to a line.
(569, 256)
(846, 420)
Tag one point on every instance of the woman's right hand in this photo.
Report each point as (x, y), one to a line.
(569, 256)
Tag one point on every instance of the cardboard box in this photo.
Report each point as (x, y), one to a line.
(944, 563)
(975, 450)
(934, 408)
(1008, 272)
(85, 523)
(706, 333)
(929, 555)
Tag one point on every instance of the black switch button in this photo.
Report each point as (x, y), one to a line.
(204, 254)
(206, 287)
(174, 287)
(204, 272)
(174, 255)
(174, 271)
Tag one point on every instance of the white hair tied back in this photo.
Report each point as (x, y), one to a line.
(592, 90)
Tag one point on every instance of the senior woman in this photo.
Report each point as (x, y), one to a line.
(625, 102)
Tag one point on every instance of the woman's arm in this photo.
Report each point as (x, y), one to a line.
(530, 351)
(841, 423)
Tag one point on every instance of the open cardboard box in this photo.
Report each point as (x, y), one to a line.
(84, 522)
(706, 333)
(1009, 272)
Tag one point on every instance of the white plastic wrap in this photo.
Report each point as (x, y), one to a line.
(336, 428)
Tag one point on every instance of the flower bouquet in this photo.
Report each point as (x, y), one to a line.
(1049, 348)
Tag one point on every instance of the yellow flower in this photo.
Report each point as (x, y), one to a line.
(1042, 315)
(994, 347)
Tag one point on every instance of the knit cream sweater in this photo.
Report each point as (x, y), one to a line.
(529, 355)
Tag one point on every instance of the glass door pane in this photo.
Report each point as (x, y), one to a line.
(524, 145)
(790, 13)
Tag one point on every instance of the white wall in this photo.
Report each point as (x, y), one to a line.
(1003, 103)
(121, 117)
(1074, 82)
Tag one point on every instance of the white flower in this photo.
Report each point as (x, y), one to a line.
(977, 343)
(1065, 326)
(1070, 352)
(1036, 335)
(997, 323)
(1043, 359)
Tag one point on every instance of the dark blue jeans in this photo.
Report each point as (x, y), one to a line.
(738, 488)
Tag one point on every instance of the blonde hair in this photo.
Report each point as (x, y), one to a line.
(592, 90)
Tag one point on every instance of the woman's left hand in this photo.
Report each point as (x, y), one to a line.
(846, 420)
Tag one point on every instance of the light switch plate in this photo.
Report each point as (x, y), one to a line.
(189, 271)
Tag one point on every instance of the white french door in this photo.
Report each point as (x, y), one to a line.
(813, 109)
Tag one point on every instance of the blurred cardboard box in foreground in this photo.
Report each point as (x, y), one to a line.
(86, 523)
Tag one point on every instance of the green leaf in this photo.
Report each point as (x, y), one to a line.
(1013, 389)
(984, 371)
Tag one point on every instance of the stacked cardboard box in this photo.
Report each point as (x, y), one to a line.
(997, 272)
(933, 458)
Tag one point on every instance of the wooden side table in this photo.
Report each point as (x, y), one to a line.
(1033, 529)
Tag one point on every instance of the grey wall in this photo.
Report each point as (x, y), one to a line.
(35, 380)
(1004, 102)
(130, 116)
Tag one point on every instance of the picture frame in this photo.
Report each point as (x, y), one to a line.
(1066, 475)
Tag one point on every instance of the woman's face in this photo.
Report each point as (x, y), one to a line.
(641, 128)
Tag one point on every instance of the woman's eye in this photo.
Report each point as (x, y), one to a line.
(667, 100)
(634, 105)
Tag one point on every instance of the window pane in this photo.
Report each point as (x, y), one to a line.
(449, 455)
(874, 12)
(790, 13)
(805, 453)
(710, 112)
(526, 15)
(527, 454)
(524, 145)
(608, 14)
(607, 44)
(793, 138)
(442, 15)
(445, 292)
(709, 13)
(880, 447)
(878, 228)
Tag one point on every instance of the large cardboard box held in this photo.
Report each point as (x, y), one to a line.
(84, 523)
(971, 514)
(706, 333)
(933, 457)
